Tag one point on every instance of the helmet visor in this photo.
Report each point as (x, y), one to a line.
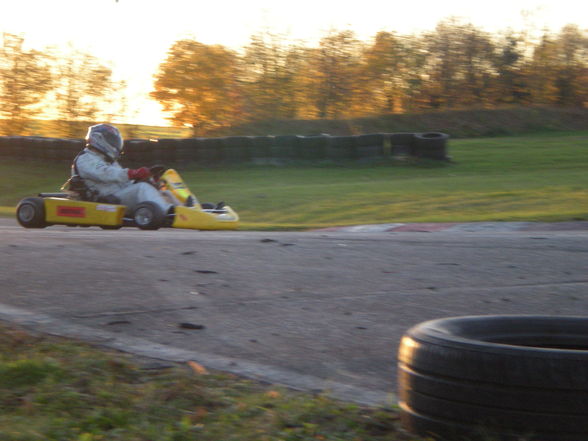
(113, 138)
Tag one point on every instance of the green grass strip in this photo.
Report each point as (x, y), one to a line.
(7, 211)
(524, 178)
(54, 390)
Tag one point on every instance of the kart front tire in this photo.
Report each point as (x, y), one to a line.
(30, 213)
(148, 216)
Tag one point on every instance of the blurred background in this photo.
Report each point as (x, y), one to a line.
(184, 68)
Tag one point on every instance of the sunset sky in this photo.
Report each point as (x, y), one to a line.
(133, 36)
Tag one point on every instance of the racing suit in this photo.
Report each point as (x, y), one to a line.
(106, 178)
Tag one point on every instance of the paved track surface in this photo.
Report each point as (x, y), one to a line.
(321, 310)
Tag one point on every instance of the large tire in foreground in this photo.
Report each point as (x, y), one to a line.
(148, 216)
(496, 378)
(30, 213)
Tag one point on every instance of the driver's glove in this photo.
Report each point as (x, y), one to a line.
(139, 173)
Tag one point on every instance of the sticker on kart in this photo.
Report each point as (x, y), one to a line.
(69, 211)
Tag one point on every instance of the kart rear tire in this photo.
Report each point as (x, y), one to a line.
(506, 376)
(30, 213)
(148, 216)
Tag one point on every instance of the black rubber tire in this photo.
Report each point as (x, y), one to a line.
(148, 216)
(432, 145)
(502, 376)
(30, 213)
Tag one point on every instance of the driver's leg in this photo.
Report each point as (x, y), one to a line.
(134, 194)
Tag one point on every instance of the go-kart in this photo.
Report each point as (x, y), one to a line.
(69, 208)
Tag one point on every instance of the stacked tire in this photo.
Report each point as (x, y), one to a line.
(496, 378)
(431, 145)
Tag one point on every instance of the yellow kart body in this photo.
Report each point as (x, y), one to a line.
(171, 181)
(67, 211)
(196, 217)
(62, 209)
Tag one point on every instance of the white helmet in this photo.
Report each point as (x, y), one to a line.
(107, 139)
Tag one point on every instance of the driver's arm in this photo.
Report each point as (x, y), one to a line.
(92, 168)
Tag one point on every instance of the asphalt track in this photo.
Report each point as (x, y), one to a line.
(320, 311)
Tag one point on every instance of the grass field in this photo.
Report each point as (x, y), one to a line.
(56, 390)
(525, 178)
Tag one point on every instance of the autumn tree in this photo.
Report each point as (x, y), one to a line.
(541, 72)
(84, 91)
(197, 84)
(331, 72)
(557, 69)
(454, 66)
(391, 73)
(459, 67)
(511, 84)
(269, 83)
(25, 78)
(478, 76)
(571, 77)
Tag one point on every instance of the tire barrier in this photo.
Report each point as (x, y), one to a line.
(186, 150)
(312, 147)
(261, 149)
(237, 149)
(284, 147)
(401, 145)
(496, 377)
(34, 147)
(210, 151)
(431, 145)
(342, 148)
(243, 149)
(370, 146)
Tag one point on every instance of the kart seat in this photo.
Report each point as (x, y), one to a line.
(77, 184)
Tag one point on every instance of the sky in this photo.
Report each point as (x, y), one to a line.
(133, 36)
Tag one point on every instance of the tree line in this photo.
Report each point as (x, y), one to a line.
(64, 84)
(207, 87)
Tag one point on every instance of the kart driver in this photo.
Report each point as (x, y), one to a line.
(97, 165)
